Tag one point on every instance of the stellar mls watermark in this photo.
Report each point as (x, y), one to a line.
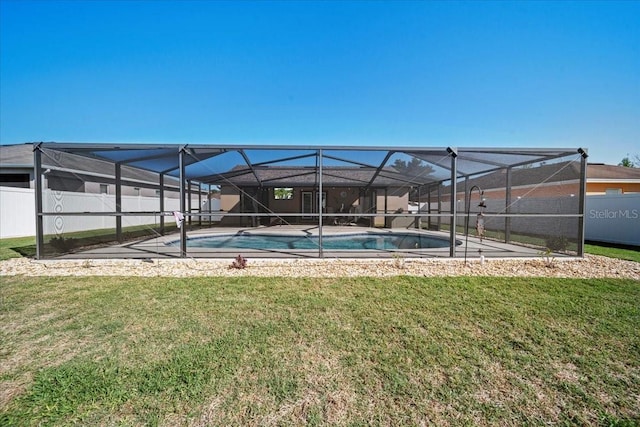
(614, 214)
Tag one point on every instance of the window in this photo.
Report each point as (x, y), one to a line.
(104, 189)
(283, 193)
(65, 183)
(158, 193)
(136, 191)
(613, 191)
(20, 180)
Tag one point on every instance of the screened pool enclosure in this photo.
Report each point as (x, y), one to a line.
(149, 201)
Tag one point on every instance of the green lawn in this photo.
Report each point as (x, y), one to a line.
(16, 247)
(613, 252)
(247, 351)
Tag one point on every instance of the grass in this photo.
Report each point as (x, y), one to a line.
(17, 247)
(628, 253)
(247, 351)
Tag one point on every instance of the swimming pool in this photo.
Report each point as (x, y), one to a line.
(351, 241)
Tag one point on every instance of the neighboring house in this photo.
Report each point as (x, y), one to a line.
(551, 188)
(610, 179)
(77, 183)
(551, 180)
(79, 174)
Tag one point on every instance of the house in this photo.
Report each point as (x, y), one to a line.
(79, 174)
(545, 189)
(610, 179)
(347, 193)
(549, 180)
(79, 183)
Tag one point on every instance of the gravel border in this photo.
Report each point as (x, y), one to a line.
(592, 266)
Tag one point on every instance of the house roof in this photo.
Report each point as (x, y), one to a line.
(335, 176)
(555, 173)
(596, 171)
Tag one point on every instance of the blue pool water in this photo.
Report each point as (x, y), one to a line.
(356, 241)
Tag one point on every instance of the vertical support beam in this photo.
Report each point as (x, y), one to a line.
(507, 208)
(209, 203)
(418, 218)
(320, 249)
(162, 204)
(388, 222)
(453, 201)
(200, 204)
(467, 203)
(37, 187)
(429, 207)
(582, 201)
(183, 228)
(439, 205)
(118, 202)
(189, 199)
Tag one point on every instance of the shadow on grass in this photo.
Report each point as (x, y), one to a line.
(28, 251)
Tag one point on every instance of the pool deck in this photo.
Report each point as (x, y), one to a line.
(158, 248)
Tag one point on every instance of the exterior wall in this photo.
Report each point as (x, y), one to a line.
(230, 202)
(539, 191)
(594, 188)
(554, 189)
(130, 190)
(339, 200)
(397, 201)
(342, 200)
(285, 205)
(229, 199)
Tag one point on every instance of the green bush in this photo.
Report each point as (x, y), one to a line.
(557, 243)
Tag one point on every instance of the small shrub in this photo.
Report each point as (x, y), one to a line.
(557, 243)
(240, 262)
(548, 258)
(62, 244)
(398, 261)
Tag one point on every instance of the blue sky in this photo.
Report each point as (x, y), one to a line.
(539, 74)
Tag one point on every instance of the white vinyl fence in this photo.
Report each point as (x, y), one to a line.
(17, 211)
(608, 218)
(613, 219)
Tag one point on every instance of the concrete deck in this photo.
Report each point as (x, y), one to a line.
(159, 248)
